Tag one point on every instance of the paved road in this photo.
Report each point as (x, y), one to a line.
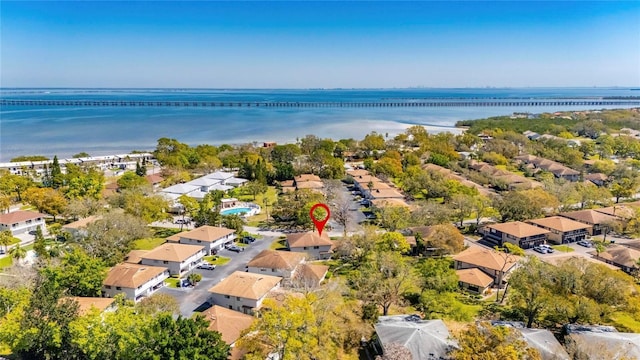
(194, 298)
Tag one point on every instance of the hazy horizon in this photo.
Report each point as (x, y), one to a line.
(319, 45)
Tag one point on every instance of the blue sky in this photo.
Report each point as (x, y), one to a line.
(266, 44)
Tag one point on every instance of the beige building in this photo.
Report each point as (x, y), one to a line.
(489, 261)
(517, 233)
(474, 280)
(276, 263)
(598, 221)
(243, 291)
(86, 304)
(178, 258)
(291, 266)
(310, 243)
(563, 230)
(212, 238)
(134, 281)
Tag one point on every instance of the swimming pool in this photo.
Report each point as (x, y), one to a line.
(237, 211)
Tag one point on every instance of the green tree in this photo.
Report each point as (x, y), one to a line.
(254, 188)
(17, 252)
(6, 238)
(288, 330)
(393, 218)
(46, 200)
(234, 222)
(194, 278)
(14, 185)
(149, 208)
(532, 289)
(438, 275)
(78, 274)
(130, 180)
(141, 170)
(39, 246)
(57, 177)
(392, 241)
(382, 281)
(111, 237)
(49, 339)
(486, 342)
(182, 338)
(158, 303)
(444, 239)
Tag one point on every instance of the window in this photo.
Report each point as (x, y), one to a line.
(165, 262)
(238, 298)
(226, 296)
(118, 288)
(230, 307)
(263, 269)
(199, 241)
(305, 248)
(316, 247)
(108, 286)
(273, 270)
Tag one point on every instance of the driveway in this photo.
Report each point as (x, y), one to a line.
(197, 297)
(558, 256)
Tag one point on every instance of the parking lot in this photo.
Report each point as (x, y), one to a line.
(558, 256)
(195, 298)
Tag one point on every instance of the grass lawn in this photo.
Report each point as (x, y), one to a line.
(5, 262)
(14, 240)
(160, 232)
(625, 320)
(148, 243)
(172, 282)
(563, 248)
(217, 260)
(279, 245)
(271, 195)
(241, 244)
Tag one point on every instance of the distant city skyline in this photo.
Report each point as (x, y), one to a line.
(319, 44)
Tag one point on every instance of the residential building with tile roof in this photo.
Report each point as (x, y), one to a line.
(276, 263)
(178, 258)
(474, 280)
(86, 304)
(563, 230)
(488, 260)
(134, 280)
(135, 256)
(621, 256)
(243, 291)
(516, 232)
(22, 221)
(310, 243)
(212, 238)
(229, 323)
(598, 221)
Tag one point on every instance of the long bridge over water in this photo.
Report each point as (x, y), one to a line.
(324, 104)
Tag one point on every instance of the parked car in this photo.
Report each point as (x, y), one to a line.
(248, 239)
(547, 247)
(185, 283)
(206, 266)
(584, 243)
(539, 249)
(235, 248)
(1, 251)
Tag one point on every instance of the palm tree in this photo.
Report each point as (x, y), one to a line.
(18, 252)
(5, 238)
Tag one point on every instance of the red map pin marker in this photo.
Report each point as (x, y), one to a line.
(319, 223)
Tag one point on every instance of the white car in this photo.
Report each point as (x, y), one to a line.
(547, 247)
